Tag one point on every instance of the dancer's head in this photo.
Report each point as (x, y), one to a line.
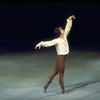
(59, 31)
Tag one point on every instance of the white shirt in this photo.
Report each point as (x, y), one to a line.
(62, 46)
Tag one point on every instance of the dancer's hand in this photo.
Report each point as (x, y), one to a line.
(38, 45)
(72, 17)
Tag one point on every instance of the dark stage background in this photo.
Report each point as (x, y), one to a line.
(25, 23)
(24, 70)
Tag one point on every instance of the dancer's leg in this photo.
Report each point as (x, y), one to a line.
(52, 75)
(61, 72)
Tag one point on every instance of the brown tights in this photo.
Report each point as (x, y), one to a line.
(59, 68)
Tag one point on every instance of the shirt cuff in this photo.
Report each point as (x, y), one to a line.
(41, 43)
(69, 20)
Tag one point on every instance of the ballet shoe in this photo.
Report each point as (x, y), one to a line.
(64, 92)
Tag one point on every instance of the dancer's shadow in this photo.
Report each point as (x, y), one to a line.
(79, 85)
(73, 87)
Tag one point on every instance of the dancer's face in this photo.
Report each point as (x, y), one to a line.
(62, 31)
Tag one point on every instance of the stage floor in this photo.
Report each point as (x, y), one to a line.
(23, 75)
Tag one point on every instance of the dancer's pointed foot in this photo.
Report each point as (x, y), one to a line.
(45, 89)
(46, 85)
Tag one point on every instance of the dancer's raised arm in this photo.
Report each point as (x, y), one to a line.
(69, 25)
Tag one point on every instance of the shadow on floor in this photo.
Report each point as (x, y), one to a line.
(77, 85)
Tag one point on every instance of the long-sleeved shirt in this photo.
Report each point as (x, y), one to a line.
(62, 46)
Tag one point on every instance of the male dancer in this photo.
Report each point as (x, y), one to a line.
(62, 49)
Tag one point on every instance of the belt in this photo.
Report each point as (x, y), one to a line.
(61, 55)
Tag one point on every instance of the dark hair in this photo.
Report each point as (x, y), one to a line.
(57, 31)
